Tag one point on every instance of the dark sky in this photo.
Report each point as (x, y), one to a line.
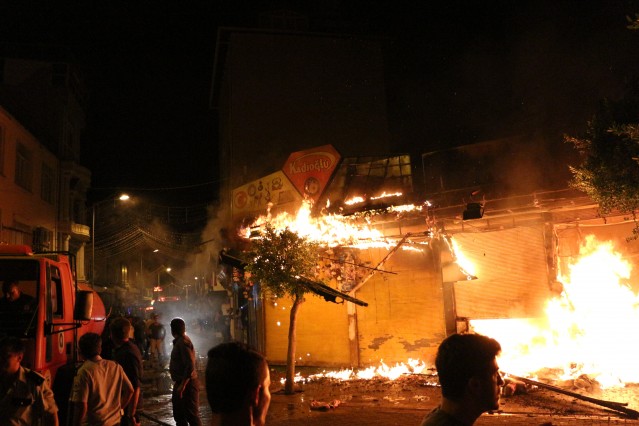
(458, 72)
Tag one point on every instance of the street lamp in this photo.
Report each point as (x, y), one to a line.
(122, 197)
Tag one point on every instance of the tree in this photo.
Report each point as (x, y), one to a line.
(609, 170)
(277, 260)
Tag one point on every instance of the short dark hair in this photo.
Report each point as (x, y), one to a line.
(461, 357)
(232, 371)
(120, 328)
(6, 286)
(90, 345)
(12, 345)
(178, 326)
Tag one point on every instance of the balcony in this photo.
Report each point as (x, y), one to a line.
(76, 230)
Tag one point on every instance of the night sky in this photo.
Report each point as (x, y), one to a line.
(457, 72)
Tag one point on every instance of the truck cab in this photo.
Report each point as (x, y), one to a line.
(52, 312)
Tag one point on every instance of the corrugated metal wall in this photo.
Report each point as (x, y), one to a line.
(512, 273)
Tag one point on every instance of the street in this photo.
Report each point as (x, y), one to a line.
(399, 402)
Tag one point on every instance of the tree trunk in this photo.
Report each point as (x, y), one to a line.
(290, 356)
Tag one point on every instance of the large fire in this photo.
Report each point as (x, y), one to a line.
(588, 329)
(331, 230)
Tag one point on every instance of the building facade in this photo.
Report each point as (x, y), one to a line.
(43, 99)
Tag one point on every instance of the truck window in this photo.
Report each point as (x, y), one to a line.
(18, 306)
(56, 294)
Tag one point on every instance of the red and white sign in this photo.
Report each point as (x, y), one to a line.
(310, 170)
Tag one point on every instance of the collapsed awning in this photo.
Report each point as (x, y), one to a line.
(328, 293)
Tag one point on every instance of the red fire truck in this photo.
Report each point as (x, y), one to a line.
(59, 311)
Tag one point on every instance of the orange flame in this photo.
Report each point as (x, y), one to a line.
(381, 371)
(583, 331)
(331, 229)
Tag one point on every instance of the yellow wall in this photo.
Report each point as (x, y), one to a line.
(322, 332)
(404, 317)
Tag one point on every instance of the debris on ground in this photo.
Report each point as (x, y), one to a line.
(325, 406)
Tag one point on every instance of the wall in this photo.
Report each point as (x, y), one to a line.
(404, 317)
(286, 92)
(22, 208)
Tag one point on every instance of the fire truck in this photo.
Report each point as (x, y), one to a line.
(58, 312)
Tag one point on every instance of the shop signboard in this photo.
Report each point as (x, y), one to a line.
(254, 197)
(310, 170)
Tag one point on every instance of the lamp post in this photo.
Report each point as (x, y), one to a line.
(122, 197)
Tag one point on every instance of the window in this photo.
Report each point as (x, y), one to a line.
(46, 185)
(23, 167)
(124, 274)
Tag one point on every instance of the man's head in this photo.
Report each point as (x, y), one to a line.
(11, 354)
(120, 330)
(90, 345)
(178, 327)
(11, 290)
(237, 378)
(467, 367)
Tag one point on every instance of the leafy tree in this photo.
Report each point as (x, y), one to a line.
(277, 260)
(609, 170)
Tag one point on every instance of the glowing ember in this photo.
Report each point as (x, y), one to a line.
(354, 200)
(585, 329)
(385, 195)
(382, 371)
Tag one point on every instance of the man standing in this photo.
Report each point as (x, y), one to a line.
(237, 385)
(469, 378)
(186, 386)
(128, 356)
(25, 397)
(156, 334)
(101, 389)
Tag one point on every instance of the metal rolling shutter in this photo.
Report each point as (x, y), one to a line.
(512, 274)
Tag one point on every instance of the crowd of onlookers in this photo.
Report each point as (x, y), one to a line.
(105, 389)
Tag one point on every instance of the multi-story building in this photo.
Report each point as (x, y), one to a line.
(44, 186)
(283, 88)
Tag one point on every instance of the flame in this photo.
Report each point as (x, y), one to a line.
(354, 200)
(386, 195)
(586, 328)
(330, 230)
(381, 371)
(465, 264)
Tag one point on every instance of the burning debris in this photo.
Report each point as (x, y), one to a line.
(381, 371)
(578, 337)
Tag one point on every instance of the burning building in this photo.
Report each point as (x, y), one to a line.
(424, 269)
